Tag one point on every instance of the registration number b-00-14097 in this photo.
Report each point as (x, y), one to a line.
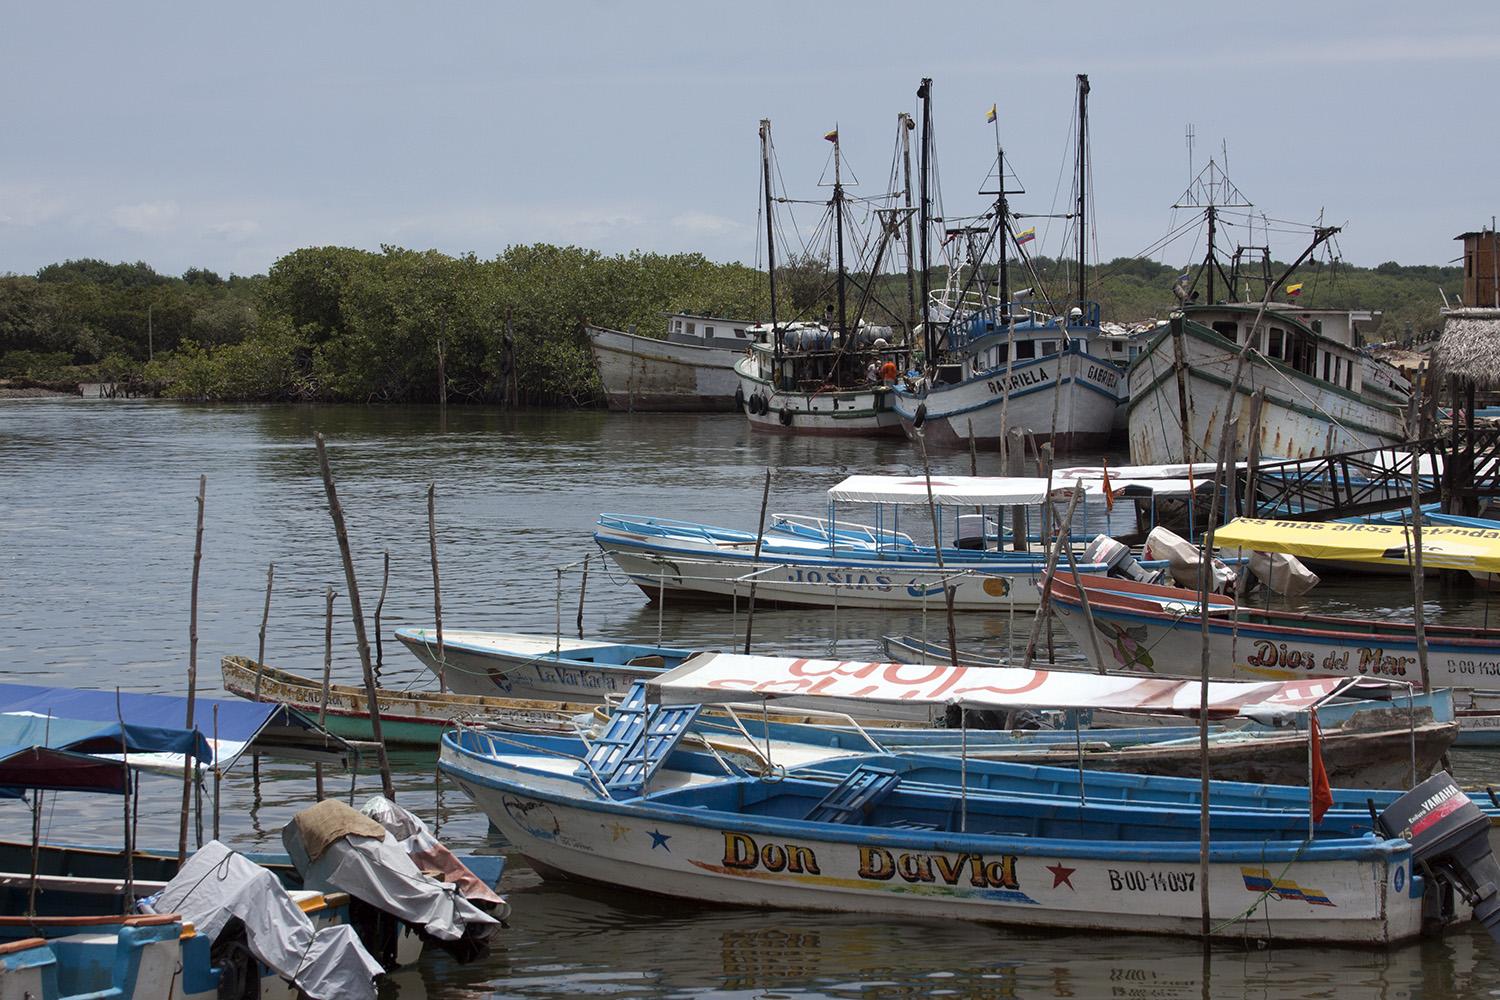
(1132, 880)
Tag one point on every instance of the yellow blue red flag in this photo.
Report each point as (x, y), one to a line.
(991, 116)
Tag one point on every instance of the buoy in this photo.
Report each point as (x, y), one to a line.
(786, 416)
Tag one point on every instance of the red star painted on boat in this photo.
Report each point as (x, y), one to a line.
(1061, 875)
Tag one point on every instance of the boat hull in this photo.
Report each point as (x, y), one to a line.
(748, 861)
(645, 373)
(690, 572)
(862, 412)
(1082, 396)
(1301, 417)
(529, 669)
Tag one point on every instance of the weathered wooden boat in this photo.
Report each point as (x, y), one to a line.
(542, 667)
(691, 369)
(623, 811)
(407, 718)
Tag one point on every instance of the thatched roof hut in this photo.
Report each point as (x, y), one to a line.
(1470, 347)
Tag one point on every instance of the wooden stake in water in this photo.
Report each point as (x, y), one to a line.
(327, 679)
(385, 580)
(192, 677)
(583, 589)
(765, 498)
(129, 900)
(265, 616)
(937, 550)
(1419, 611)
(371, 696)
(437, 589)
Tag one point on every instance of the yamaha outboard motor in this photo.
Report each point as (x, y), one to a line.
(1118, 560)
(1449, 834)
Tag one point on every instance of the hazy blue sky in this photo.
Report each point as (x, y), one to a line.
(226, 135)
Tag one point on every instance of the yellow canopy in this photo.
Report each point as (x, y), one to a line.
(1443, 547)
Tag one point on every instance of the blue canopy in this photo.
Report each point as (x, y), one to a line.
(153, 722)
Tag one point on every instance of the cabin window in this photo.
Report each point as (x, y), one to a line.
(1349, 375)
(1049, 348)
(1317, 326)
(1327, 358)
(1134, 351)
(740, 334)
(1002, 354)
(677, 326)
(692, 328)
(1026, 349)
(1227, 328)
(708, 331)
(1274, 348)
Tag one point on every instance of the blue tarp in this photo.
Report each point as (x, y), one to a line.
(235, 726)
(86, 736)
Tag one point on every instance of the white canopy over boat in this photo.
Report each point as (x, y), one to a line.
(1004, 491)
(715, 678)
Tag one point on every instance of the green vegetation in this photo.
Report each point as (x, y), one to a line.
(331, 323)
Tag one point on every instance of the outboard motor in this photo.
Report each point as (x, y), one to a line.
(1450, 835)
(1118, 561)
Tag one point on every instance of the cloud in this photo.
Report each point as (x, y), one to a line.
(706, 224)
(234, 230)
(29, 205)
(145, 216)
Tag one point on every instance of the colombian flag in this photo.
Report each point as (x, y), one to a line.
(989, 118)
(1026, 237)
(832, 136)
(1294, 289)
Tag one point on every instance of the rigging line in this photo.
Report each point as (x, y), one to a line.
(1062, 168)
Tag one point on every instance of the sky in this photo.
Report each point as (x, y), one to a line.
(224, 136)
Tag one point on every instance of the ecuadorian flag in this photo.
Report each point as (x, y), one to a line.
(989, 118)
(1026, 236)
(1294, 289)
(832, 136)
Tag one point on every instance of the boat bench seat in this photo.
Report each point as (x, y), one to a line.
(651, 660)
(852, 799)
(908, 824)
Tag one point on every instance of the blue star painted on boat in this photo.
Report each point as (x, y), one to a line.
(659, 839)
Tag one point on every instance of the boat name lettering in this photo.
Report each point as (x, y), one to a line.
(1104, 375)
(1135, 880)
(842, 578)
(1275, 654)
(572, 677)
(1375, 661)
(879, 865)
(1017, 380)
(742, 853)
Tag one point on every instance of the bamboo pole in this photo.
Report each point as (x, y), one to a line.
(372, 699)
(765, 499)
(265, 616)
(582, 590)
(937, 550)
(128, 900)
(437, 590)
(1419, 611)
(385, 579)
(327, 679)
(1054, 551)
(192, 693)
(1205, 573)
(218, 774)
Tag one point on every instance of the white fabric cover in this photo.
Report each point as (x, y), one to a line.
(382, 874)
(216, 884)
(429, 853)
(1183, 560)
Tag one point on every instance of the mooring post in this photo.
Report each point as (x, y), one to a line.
(765, 498)
(385, 579)
(192, 676)
(265, 616)
(583, 589)
(937, 550)
(437, 589)
(371, 695)
(327, 680)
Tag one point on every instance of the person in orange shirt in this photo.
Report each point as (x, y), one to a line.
(888, 373)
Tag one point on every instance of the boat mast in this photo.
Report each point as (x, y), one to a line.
(1003, 205)
(924, 94)
(1083, 145)
(765, 171)
(905, 124)
(838, 223)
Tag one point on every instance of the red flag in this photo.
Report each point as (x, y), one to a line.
(1320, 796)
(1109, 494)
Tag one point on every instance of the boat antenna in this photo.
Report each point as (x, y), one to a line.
(765, 170)
(924, 94)
(1002, 207)
(1083, 145)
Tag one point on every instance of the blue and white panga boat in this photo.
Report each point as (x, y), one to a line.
(833, 562)
(634, 810)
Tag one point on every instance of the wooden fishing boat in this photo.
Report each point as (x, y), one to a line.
(407, 718)
(629, 812)
(691, 369)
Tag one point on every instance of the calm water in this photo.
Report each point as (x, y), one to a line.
(96, 540)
